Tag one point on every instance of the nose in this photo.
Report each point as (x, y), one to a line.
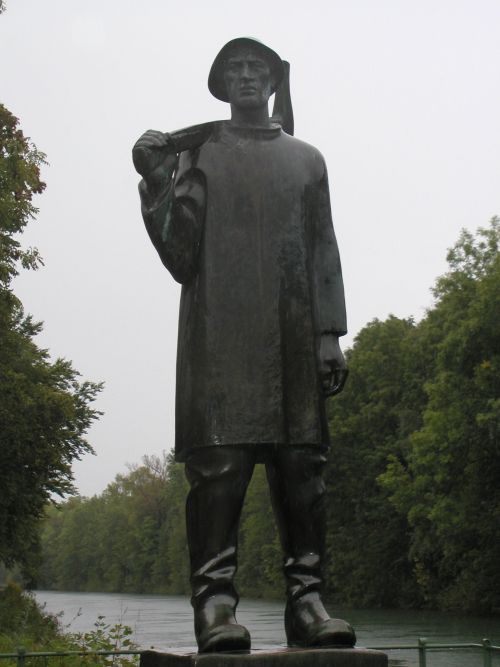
(246, 72)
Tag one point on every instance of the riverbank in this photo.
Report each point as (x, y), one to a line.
(27, 623)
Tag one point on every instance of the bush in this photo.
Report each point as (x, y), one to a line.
(22, 617)
(23, 623)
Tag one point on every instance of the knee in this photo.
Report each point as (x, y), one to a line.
(219, 464)
(302, 464)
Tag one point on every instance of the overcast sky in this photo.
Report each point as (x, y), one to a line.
(401, 97)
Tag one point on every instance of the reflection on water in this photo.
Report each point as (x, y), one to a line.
(166, 622)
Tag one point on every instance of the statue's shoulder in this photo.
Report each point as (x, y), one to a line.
(308, 154)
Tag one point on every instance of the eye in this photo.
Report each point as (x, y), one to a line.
(232, 66)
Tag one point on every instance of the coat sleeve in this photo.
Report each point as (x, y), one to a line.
(327, 284)
(174, 219)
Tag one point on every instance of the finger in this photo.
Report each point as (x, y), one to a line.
(337, 382)
(340, 379)
(150, 143)
(157, 134)
(144, 160)
(152, 139)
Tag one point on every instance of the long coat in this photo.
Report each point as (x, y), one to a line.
(246, 227)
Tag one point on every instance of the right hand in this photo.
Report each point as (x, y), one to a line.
(332, 365)
(154, 158)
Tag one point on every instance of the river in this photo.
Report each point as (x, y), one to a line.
(165, 622)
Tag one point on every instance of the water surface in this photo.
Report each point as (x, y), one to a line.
(165, 622)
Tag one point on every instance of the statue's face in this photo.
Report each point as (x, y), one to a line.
(248, 79)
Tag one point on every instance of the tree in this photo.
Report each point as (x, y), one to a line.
(448, 485)
(129, 538)
(45, 410)
(367, 539)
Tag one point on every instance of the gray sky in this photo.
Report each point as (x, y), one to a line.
(401, 97)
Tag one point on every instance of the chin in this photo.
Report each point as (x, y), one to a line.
(247, 100)
(250, 103)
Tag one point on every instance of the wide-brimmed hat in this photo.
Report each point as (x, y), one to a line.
(216, 83)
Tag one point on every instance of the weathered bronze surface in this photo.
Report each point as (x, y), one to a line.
(239, 212)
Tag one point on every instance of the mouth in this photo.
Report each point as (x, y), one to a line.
(248, 90)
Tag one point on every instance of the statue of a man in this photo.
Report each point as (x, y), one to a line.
(242, 219)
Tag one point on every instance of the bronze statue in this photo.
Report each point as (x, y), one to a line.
(239, 212)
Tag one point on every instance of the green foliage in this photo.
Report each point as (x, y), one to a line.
(105, 637)
(24, 623)
(44, 409)
(130, 538)
(20, 163)
(448, 485)
(414, 475)
(20, 616)
(367, 540)
(172, 540)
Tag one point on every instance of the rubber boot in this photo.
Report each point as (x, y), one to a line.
(297, 492)
(218, 479)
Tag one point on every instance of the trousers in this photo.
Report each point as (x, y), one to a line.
(218, 478)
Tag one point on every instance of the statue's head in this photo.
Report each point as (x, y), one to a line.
(245, 73)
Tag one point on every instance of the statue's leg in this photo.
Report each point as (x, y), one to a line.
(218, 477)
(298, 493)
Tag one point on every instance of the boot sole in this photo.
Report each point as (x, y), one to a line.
(225, 638)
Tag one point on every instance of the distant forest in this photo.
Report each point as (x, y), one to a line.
(413, 474)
